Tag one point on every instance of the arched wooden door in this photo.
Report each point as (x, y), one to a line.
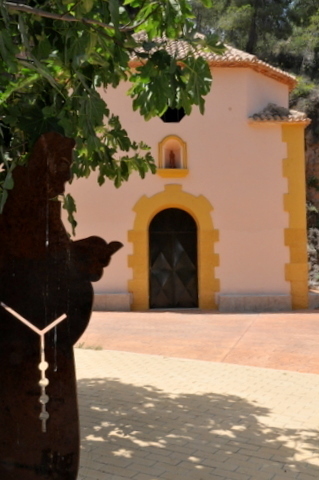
(173, 260)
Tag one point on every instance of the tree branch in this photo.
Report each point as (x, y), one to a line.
(55, 16)
(19, 7)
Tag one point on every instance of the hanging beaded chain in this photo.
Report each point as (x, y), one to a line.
(43, 365)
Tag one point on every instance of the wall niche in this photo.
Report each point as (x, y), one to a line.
(172, 159)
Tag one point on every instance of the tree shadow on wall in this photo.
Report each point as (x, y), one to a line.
(128, 430)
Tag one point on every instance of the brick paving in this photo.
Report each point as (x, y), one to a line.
(287, 341)
(152, 415)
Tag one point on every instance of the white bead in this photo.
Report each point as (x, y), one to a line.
(44, 416)
(43, 366)
(44, 399)
(44, 382)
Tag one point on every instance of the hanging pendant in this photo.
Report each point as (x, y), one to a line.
(44, 382)
(43, 365)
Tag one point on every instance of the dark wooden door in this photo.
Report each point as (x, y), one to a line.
(173, 260)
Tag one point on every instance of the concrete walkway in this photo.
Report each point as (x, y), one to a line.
(163, 414)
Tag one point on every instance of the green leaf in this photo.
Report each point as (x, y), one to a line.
(34, 123)
(115, 12)
(207, 3)
(118, 179)
(43, 49)
(3, 199)
(87, 5)
(70, 206)
(8, 51)
(19, 84)
(133, 3)
(124, 169)
(148, 46)
(93, 108)
(8, 183)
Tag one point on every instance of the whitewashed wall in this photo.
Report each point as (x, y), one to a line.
(238, 167)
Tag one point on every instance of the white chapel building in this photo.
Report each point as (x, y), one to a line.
(222, 224)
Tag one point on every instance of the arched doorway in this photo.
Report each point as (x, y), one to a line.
(173, 281)
(200, 209)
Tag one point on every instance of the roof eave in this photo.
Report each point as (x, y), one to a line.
(273, 73)
(304, 122)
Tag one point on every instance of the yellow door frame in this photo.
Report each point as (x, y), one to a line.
(200, 209)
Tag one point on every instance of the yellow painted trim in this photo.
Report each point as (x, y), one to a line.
(304, 122)
(200, 209)
(296, 271)
(172, 172)
(161, 150)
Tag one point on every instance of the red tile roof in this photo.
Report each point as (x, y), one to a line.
(231, 58)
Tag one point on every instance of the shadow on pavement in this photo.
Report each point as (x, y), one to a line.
(129, 431)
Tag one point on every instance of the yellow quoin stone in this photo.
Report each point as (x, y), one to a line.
(296, 271)
(199, 208)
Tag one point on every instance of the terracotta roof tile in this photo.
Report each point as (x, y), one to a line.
(231, 58)
(275, 113)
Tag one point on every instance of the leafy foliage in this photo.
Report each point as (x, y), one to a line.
(246, 24)
(284, 33)
(303, 89)
(56, 56)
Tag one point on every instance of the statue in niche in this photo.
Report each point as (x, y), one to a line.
(171, 159)
(45, 305)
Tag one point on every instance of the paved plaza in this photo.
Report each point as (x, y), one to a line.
(153, 416)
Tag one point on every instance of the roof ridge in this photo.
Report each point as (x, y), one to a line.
(232, 57)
